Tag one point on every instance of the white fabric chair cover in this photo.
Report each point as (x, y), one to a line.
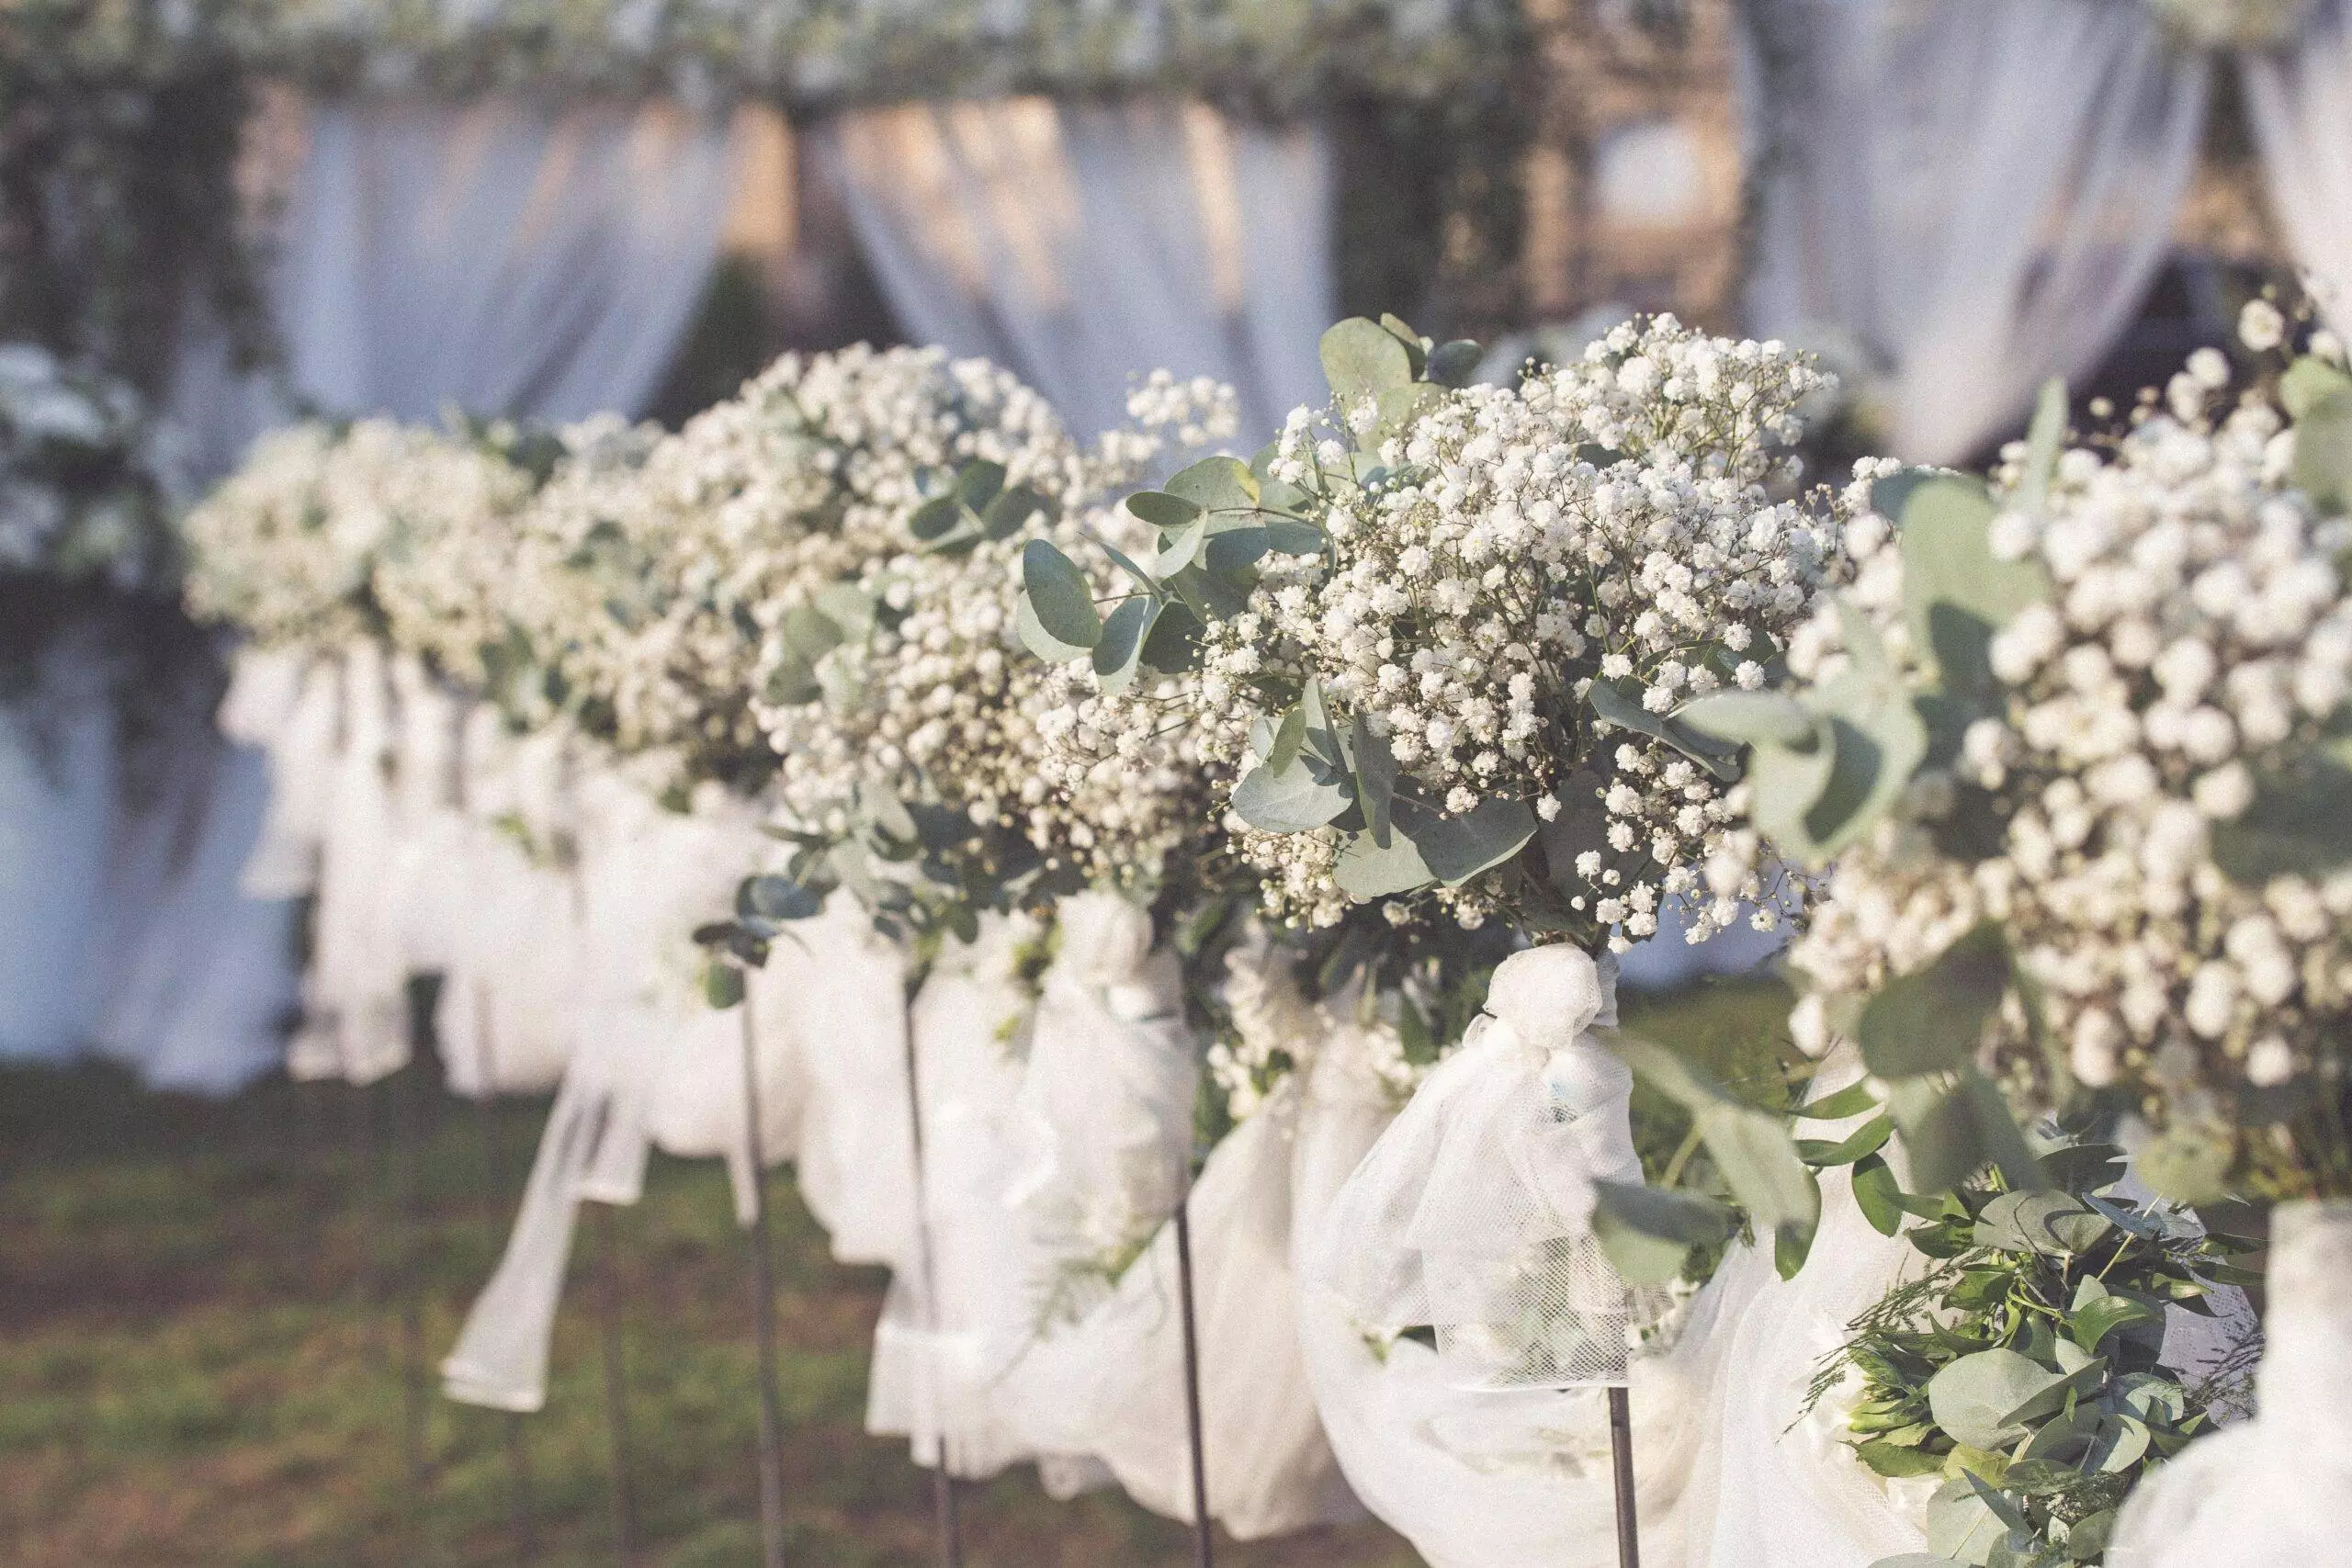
(2300, 100)
(1078, 244)
(933, 1378)
(508, 898)
(1112, 1385)
(356, 1021)
(1980, 191)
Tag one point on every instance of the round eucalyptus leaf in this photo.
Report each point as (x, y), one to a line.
(1059, 596)
(1976, 1397)
(1361, 358)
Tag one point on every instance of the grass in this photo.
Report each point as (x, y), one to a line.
(207, 1309)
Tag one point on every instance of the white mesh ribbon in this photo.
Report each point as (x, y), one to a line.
(1472, 1216)
(2277, 1489)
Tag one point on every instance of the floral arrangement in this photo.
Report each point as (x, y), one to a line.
(324, 524)
(2073, 737)
(1435, 644)
(2013, 1393)
(81, 489)
(873, 51)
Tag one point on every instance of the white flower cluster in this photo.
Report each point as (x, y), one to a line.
(2198, 632)
(939, 704)
(81, 493)
(288, 547)
(1608, 520)
(1274, 1029)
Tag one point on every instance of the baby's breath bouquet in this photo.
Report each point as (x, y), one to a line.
(326, 527)
(1433, 643)
(2077, 738)
(888, 683)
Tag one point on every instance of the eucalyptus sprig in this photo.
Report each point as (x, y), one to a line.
(2022, 1367)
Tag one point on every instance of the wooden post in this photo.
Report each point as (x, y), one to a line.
(763, 1311)
(946, 1527)
(521, 1517)
(1204, 1548)
(1621, 1448)
(608, 1322)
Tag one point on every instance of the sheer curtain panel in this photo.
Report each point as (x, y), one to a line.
(1082, 244)
(2301, 104)
(1977, 193)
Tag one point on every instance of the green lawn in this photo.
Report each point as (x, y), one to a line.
(201, 1355)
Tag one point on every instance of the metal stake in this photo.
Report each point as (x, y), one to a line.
(1621, 1447)
(1204, 1555)
(945, 1524)
(520, 1515)
(608, 1313)
(763, 1312)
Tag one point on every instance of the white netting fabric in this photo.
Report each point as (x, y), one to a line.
(2277, 1489)
(1472, 1216)
(1103, 1122)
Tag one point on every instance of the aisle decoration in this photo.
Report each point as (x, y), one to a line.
(2073, 740)
(2014, 1388)
(1430, 648)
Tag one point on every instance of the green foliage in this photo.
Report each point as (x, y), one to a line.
(2021, 1367)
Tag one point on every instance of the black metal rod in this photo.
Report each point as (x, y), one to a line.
(1204, 1548)
(520, 1516)
(1621, 1449)
(608, 1317)
(415, 1393)
(763, 1311)
(946, 1526)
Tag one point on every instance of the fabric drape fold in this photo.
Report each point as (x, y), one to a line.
(1076, 244)
(1975, 194)
(2299, 102)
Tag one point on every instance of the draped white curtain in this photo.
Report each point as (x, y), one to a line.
(1079, 245)
(1979, 191)
(2301, 104)
(500, 257)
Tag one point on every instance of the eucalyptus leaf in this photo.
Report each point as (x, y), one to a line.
(1173, 643)
(2188, 1163)
(1956, 593)
(1121, 649)
(1622, 706)
(1933, 1019)
(1376, 781)
(978, 481)
(2043, 438)
(1749, 1145)
(779, 898)
(1181, 548)
(722, 984)
(1289, 800)
(1648, 1232)
(1960, 1528)
(1954, 1125)
(1009, 511)
(2056, 1225)
(2299, 822)
(1458, 848)
(2323, 452)
(1058, 596)
(1368, 870)
(1362, 359)
(1217, 484)
(936, 518)
(2308, 382)
(1752, 719)
(1041, 642)
(1162, 510)
(1975, 1398)
(1453, 364)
